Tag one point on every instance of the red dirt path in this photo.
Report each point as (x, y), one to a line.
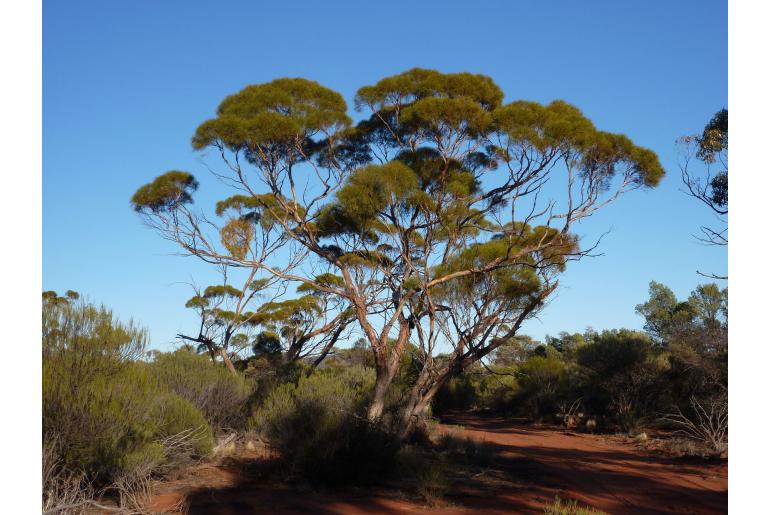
(531, 466)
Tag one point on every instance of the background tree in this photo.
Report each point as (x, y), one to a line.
(625, 370)
(440, 185)
(226, 324)
(709, 185)
(694, 332)
(307, 326)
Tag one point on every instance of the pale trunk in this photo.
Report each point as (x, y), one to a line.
(386, 368)
(228, 363)
(420, 398)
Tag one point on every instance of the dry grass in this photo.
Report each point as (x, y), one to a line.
(570, 507)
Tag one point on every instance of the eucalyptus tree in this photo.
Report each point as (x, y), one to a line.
(707, 180)
(304, 327)
(225, 322)
(440, 187)
(307, 326)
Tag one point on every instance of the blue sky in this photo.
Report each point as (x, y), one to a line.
(125, 84)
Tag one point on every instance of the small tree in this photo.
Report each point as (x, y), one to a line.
(225, 322)
(306, 326)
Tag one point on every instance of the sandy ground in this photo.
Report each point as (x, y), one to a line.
(531, 466)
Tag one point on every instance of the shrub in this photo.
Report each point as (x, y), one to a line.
(625, 373)
(498, 389)
(458, 393)
(423, 471)
(107, 414)
(541, 378)
(317, 425)
(104, 424)
(178, 416)
(222, 397)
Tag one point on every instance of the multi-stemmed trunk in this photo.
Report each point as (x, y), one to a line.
(428, 383)
(387, 361)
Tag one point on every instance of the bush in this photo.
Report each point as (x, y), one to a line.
(222, 397)
(178, 416)
(107, 414)
(625, 373)
(458, 393)
(424, 472)
(317, 425)
(541, 379)
(103, 425)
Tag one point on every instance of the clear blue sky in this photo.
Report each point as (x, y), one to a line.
(125, 84)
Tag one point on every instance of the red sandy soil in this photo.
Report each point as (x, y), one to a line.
(532, 465)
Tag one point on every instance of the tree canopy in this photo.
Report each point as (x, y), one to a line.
(437, 195)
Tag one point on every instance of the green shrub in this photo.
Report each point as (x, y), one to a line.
(541, 379)
(108, 414)
(178, 416)
(317, 425)
(497, 390)
(221, 396)
(103, 425)
(625, 372)
(458, 393)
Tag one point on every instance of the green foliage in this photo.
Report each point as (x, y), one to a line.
(494, 388)
(273, 113)
(625, 375)
(267, 343)
(221, 396)
(107, 412)
(540, 379)
(714, 138)
(367, 193)
(560, 124)
(324, 280)
(318, 428)
(694, 334)
(165, 193)
(177, 415)
(418, 83)
(458, 393)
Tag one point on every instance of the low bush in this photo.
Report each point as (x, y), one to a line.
(459, 393)
(107, 419)
(424, 472)
(222, 397)
(467, 449)
(317, 426)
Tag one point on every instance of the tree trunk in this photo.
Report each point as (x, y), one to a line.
(422, 395)
(228, 363)
(382, 384)
(387, 363)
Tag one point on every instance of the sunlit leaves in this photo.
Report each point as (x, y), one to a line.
(165, 193)
(277, 112)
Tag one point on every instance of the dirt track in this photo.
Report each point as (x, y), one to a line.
(535, 465)
(612, 476)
